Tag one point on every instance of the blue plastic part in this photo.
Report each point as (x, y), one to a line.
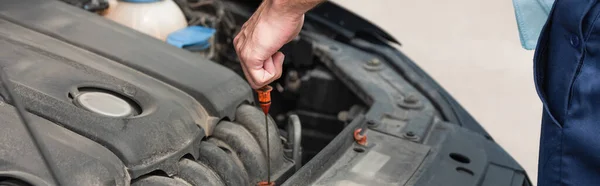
(141, 1)
(191, 38)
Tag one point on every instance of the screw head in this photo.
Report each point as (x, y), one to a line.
(280, 117)
(411, 99)
(373, 65)
(374, 62)
(343, 116)
(410, 135)
(293, 75)
(333, 48)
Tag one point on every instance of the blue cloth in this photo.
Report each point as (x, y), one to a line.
(531, 16)
(567, 78)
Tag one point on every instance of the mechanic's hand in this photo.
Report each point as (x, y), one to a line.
(259, 40)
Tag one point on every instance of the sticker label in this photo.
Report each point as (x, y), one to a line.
(370, 164)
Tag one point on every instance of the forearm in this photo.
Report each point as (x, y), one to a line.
(294, 7)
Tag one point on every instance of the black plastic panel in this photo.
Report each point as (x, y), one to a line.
(45, 72)
(448, 107)
(467, 158)
(409, 141)
(51, 50)
(386, 160)
(85, 162)
(218, 89)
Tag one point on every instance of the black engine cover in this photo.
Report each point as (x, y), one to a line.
(51, 50)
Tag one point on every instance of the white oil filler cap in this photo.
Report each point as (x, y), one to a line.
(104, 103)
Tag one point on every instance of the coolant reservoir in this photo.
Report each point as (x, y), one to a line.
(157, 18)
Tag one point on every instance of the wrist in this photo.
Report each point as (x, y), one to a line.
(288, 8)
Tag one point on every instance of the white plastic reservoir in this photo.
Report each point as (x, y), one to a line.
(157, 18)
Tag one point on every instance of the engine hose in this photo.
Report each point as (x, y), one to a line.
(294, 129)
(197, 173)
(223, 164)
(252, 119)
(159, 181)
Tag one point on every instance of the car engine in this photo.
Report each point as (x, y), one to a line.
(118, 107)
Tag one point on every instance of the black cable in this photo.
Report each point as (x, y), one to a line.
(33, 133)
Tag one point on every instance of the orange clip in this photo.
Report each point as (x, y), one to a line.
(264, 183)
(264, 98)
(360, 139)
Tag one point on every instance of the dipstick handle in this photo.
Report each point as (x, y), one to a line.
(264, 98)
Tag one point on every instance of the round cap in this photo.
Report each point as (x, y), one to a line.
(104, 104)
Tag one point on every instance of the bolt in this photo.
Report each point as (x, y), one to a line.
(292, 81)
(410, 135)
(280, 117)
(343, 116)
(374, 62)
(411, 99)
(293, 75)
(333, 48)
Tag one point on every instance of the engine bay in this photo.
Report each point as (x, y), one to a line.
(149, 113)
(307, 89)
(310, 107)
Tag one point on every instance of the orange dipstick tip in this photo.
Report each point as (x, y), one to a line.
(360, 139)
(264, 183)
(264, 98)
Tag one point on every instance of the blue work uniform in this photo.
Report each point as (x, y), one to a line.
(567, 78)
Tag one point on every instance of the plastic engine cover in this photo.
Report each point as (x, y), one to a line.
(119, 107)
